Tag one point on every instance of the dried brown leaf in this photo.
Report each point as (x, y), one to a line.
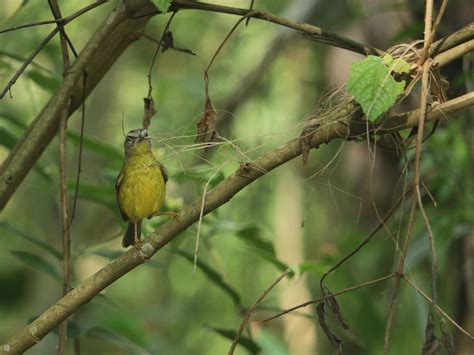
(306, 136)
(206, 126)
(431, 345)
(168, 42)
(332, 337)
(446, 339)
(334, 307)
(149, 111)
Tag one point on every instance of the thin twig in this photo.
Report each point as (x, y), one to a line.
(370, 236)
(58, 21)
(226, 38)
(53, 5)
(439, 16)
(252, 308)
(346, 290)
(428, 33)
(425, 66)
(39, 23)
(45, 42)
(155, 55)
(81, 144)
(32, 56)
(250, 8)
(201, 214)
(66, 235)
(439, 309)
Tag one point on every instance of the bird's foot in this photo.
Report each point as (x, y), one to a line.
(172, 214)
(138, 243)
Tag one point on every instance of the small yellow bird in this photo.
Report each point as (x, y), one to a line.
(141, 185)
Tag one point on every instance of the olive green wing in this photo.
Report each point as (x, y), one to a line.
(163, 172)
(118, 183)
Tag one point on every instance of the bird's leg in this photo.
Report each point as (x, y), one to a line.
(136, 237)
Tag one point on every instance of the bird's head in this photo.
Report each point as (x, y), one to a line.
(137, 142)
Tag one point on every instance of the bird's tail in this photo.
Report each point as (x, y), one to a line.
(129, 236)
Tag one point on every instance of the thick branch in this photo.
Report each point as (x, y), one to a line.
(315, 33)
(216, 197)
(454, 53)
(463, 35)
(116, 33)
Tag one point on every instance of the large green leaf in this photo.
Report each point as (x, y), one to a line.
(37, 262)
(213, 276)
(373, 87)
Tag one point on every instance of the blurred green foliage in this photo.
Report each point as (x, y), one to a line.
(165, 306)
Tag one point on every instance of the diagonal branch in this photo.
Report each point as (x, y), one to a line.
(216, 197)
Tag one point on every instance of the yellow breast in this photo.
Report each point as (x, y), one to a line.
(142, 190)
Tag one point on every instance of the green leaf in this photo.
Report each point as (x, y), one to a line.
(308, 266)
(12, 228)
(271, 344)
(244, 341)
(37, 262)
(214, 276)
(107, 151)
(20, 59)
(400, 66)
(102, 194)
(373, 87)
(396, 65)
(162, 5)
(13, 120)
(115, 337)
(387, 59)
(7, 139)
(49, 83)
(113, 155)
(262, 247)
